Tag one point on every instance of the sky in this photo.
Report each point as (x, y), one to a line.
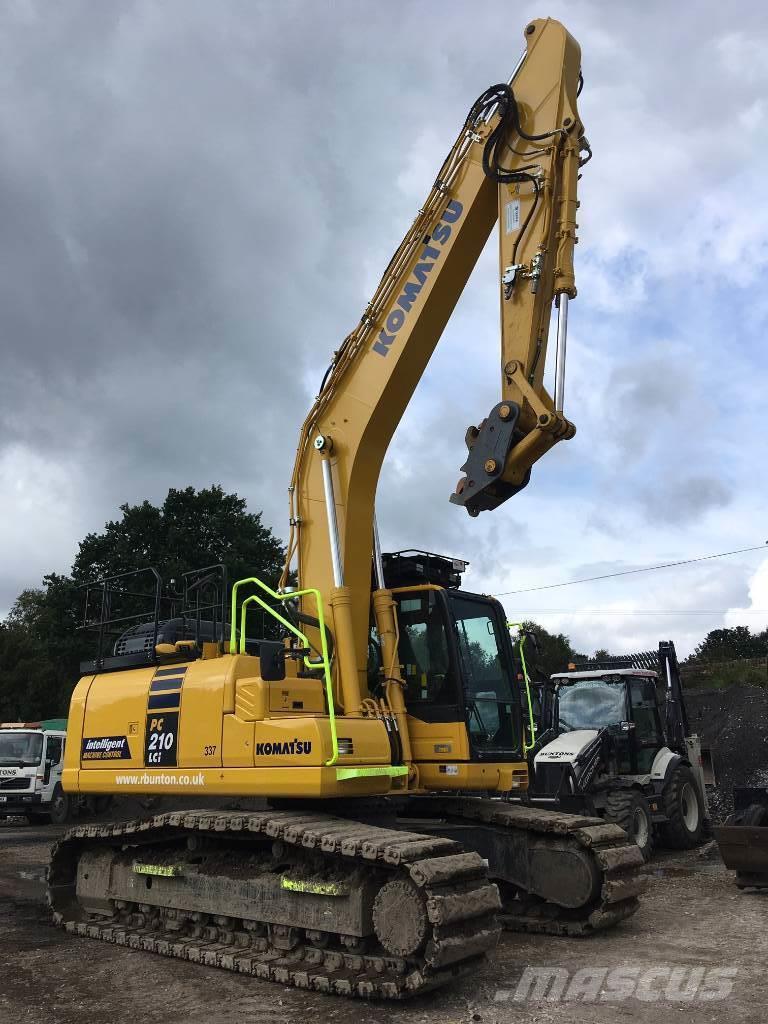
(198, 199)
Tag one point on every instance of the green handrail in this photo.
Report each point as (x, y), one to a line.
(531, 721)
(324, 662)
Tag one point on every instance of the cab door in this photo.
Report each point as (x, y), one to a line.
(486, 668)
(647, 732)
(53, 757)
(456, 659)
(427, 661)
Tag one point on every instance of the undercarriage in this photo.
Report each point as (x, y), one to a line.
(339, 905)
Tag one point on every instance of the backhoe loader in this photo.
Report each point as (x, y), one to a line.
(376, 712)
(612, 738)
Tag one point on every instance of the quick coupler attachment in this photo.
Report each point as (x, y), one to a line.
(482, 488)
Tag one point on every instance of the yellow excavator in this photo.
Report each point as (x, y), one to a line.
(375, 709)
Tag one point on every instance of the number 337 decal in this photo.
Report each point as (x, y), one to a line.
(161, 739)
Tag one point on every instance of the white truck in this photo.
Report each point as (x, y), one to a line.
(31, 762)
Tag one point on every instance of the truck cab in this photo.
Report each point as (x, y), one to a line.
(31, 763)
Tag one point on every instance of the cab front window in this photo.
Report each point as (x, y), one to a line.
(591, 704)
(21, 748)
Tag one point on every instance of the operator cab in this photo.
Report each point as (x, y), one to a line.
(455, 653)
(624, 701)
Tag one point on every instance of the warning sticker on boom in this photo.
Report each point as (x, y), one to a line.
(512, 216)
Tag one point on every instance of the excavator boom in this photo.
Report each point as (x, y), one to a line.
(516, 162)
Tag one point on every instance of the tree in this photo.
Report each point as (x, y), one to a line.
(39, 651)
(732, 643)
(40, 644)
(191, 529)
(554, 654)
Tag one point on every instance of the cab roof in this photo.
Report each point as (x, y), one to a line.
(600, 673)
(49, 725)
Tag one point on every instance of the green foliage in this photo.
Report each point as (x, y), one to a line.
(719, 675)
(554, 652)
(39, 653)
(729, 656)
(191, 529)
(40, 645)
(731, 643)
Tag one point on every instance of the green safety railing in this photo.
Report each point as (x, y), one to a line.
(531, 720)
(324, 663)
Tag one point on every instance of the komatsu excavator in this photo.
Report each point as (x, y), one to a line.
(383, 727)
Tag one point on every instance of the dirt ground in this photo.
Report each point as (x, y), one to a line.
(692, 917)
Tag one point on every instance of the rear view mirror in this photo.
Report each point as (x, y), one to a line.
(534, 640)
(272, 658)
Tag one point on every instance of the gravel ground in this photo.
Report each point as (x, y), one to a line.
(692, 917)
(731, 723)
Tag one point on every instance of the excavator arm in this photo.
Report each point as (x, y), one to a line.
(515, 161)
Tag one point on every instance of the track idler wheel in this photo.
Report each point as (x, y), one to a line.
(400, 918)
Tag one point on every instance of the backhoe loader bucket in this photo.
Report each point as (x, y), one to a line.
(744, 849)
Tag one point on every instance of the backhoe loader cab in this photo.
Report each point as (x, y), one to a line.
(623, 701)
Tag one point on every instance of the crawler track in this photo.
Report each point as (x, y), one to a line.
(442, 888)
(601, 847)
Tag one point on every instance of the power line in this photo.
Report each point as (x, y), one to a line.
(630, 572)
(640, 611)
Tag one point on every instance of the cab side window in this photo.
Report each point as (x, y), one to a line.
(645, 714)
(423, 650)
(54, 749)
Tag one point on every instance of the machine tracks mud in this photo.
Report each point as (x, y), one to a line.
(307, 900)
(337, 905)
(566, 874)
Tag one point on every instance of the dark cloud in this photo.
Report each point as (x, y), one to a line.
(196, 200)
(685, 499)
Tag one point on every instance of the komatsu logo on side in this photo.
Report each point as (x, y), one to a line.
(288, 747)
(429, 254)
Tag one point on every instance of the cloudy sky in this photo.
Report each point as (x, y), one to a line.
(197, 199)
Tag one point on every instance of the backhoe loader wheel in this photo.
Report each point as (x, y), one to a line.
(681, 801)
(629, 809)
